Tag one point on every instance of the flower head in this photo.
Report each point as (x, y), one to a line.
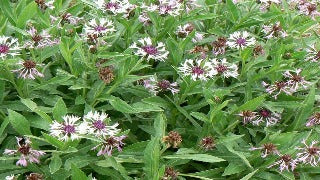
(9, 46)
(274, 31)
(99, 27)
(170, 174)
(310, 154)
(98, 124)
(240, 40)
(40, 40)
(295, 80)
(314, 120)
(27, 154)
(116, 7)
(155, 86)
(267, 149)
(145, 48)
(43, 5)
(69, 129)
(258, 50)
(165, 7)
(225, 69)
(144, 18)
(267, 116)
(35, 176)
(207, 143)
(185, 30)
(197, 69)
(309, 9)
(173, 139)
(109, 143)
(11, 177)
(247, 116)
(265, 4)
(219, 46)
(277, 88)
(28, 70)
(313, 54)
(285, 162)
(106, 74)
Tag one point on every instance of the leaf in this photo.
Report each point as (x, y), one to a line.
(59, 110)
(27, 13)
(19, 123)
(152, 158)
(53, 141)
(248, 176)
(7, 10)
(160, 125)
(196, 157)
(304, 111)
(233, 168)
(201, 116)
(55, 163)
(120, 105)
(233, 10)
(252, 104)
(77, 174)
(33, 107)
(240, 155)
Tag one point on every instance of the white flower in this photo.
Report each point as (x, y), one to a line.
(43, 5)
(155, 86)
(108, 144)
(28, 70)
(309, 9)
(40, 40)
(97, 124)
(99, 27)
(313, 54)
(145, 48)
(11, 177)
(116, 7)
(165, 7)
(265, 4)
(223, 68)
(240, 40)
(274, 31)
(310, 153)
(295, 80)
(285, 162)
(265, 115)
(185, 30)
(313, 120)
(197, 69)
(69, 129)
(144, 18)
(266, 149)
(277, 88)
(9, 46)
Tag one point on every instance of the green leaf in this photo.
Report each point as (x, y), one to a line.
(200, 116)
(34, 108)
(240, 155)
(196, 157)
(248, 176)
(120, 105)
(59, 110)
(252, 104)
(160, 125)
(55, 163)
(19, 123)
(151, 158)
(77, 174)
(233, 168)
(7, 10)
(53, 141)
(233, 10)
(27, 13)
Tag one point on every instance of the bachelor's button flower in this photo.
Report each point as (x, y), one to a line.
(99, 27)
(155, 86)
(314, 119)
(197, 69)
(277, 88)
(247, 116)
(207, 143)
(40, 40)
(219, 46)
(28, 70)
(109, 143)
(309, 153)
(98, 124)
(223, 68)
(274, 31)
(9, 46)
(313, 54)
(295, 80)
(173, 139)
(267, 149)
(240, 40)
(285, 162)
(267, 116)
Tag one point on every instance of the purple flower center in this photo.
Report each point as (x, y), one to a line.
(241, 41)
(221, 68)
(100, 28)
(164, 84)
(149, 49)
(110, 5)
(4, 49)
(197, 70)
(69, 129)
(25, 149)
(265, 113)
(99, 124)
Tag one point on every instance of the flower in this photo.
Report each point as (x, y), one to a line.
(295, 80)
(285, 162)
(43, 5)
(106, 74)
(28, 70)
(190, 5)
(35, 176)
(313, 54)
(258, 50)
(70, 19)
(314, 120)
(223, 68)
(145, 48)
(308, 9)
(207, 143)
(247, 116)
(99, 27)
(69, 129)
(9, 46)
(116, 7)
(240, 40)
(200, 49)
(25, 151)
(11, 177)
(277, 88)
(40, 40)
(185, 30)
(271, 118)
(155, 86)
(197, 69)
(97, 124)
(164, 7)
(266, 149)
(144, 18)
(170, 174)
(309, 153)
(173, 139)
(219, 46)
(107, 144)
(274, 31)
